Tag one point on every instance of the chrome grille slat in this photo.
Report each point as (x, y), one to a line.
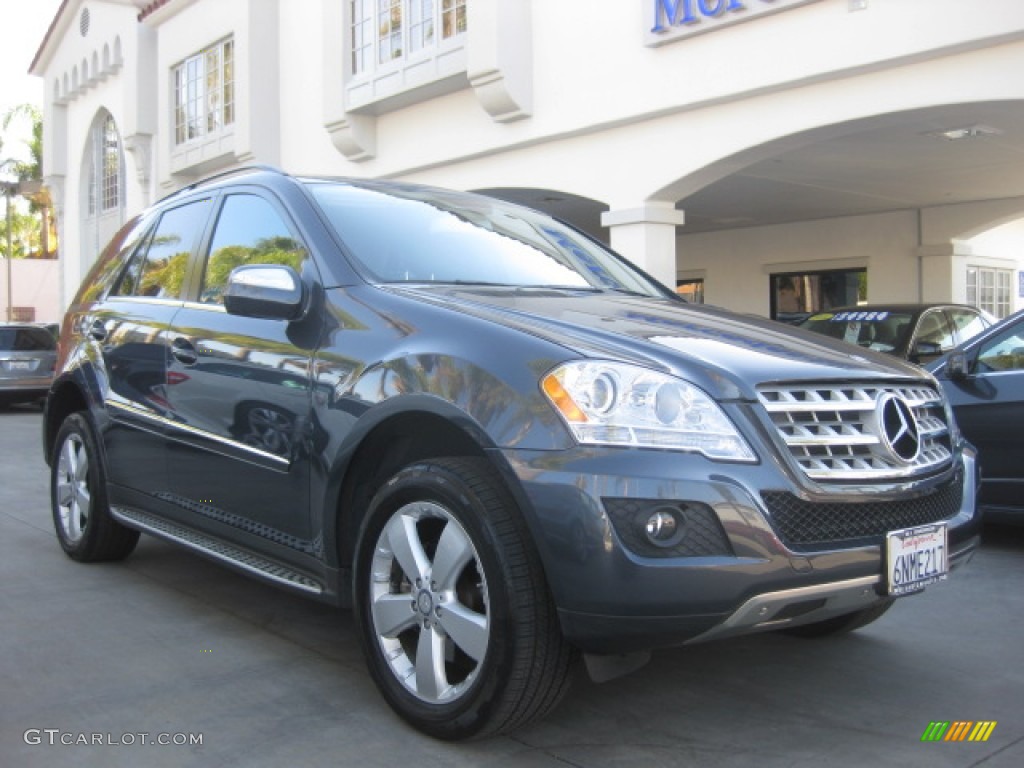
(832, 430)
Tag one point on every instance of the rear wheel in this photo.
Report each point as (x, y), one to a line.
(454, 616)
(78, 497)
(840, 625)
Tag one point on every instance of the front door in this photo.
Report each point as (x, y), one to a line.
(239, 392)
(989, 406)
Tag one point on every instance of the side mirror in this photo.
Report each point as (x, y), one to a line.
(270, 291)
(956, 366)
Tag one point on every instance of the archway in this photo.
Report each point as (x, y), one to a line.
(575, 210)
(102, 190)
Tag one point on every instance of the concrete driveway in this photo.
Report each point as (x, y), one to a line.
(101, 663)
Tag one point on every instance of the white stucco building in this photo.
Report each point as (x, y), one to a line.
(735, 146)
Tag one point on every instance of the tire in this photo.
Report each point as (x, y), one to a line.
(78, 498)
(840, 625)
(460, 633)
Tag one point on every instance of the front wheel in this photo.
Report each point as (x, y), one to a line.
(453, 612)
(78, 497)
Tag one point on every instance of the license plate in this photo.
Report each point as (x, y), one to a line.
(19, 365)
(916, 557)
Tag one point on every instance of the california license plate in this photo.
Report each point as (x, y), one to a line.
(916, 557)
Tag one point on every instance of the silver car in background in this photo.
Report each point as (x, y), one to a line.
(28, 354)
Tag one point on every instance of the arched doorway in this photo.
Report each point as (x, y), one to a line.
(102, 187)
(583, 213)
(874, 209)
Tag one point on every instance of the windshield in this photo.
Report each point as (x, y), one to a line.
(882, 331)
(419, 235)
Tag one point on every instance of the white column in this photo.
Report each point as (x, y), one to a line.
(647, 237)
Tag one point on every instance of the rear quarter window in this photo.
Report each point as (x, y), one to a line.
(109, 266)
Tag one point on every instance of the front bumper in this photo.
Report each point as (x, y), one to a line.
(615, 596)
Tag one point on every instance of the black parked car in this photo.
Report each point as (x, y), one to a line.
(916, 332)
(984, 381)
(498, 442)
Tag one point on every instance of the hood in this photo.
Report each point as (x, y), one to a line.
(725, 353)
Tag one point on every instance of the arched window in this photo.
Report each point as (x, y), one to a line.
(102, 188)
(111, 163)
(104, 167)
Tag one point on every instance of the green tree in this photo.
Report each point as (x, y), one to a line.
(166, 277)
(24, 234)
(32, 170)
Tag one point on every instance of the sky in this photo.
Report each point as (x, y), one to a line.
(25, 23)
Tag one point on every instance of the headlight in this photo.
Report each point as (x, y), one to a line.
(616, 404)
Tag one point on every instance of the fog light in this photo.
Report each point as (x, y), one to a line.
(664, 528)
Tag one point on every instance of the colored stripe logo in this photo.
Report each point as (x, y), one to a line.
(958, 730)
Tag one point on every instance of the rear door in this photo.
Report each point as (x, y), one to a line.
(239, 391)
(128, 333)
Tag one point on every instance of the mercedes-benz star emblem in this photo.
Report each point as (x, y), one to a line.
(898, 428)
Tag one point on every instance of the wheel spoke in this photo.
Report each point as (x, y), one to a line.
(467, 629)
(69, 458)
(454, 551)
(74, 520)
(81, 465)
(393, 614)
(404, 540)
(64, 492)
(431, 681)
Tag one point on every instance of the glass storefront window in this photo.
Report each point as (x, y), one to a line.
(795, 295)
(691, 290)
(989, 289)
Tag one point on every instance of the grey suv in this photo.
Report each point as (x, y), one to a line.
(502, 445)
(28, 354)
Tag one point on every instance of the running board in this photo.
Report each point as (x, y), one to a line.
(216, 549)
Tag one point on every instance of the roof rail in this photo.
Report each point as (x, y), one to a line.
(229, 172)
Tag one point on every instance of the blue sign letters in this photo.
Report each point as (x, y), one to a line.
(676, 12)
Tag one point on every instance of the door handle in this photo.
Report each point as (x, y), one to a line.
(97, 331)
(184, 352)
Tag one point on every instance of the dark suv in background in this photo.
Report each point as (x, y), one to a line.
(916, 332)
(495, 440)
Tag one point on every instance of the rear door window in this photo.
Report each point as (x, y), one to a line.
(158, 269)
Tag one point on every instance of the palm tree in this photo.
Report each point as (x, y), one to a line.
(32, 170)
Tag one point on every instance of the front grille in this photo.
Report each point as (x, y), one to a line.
(808, 526)
(837, 431)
